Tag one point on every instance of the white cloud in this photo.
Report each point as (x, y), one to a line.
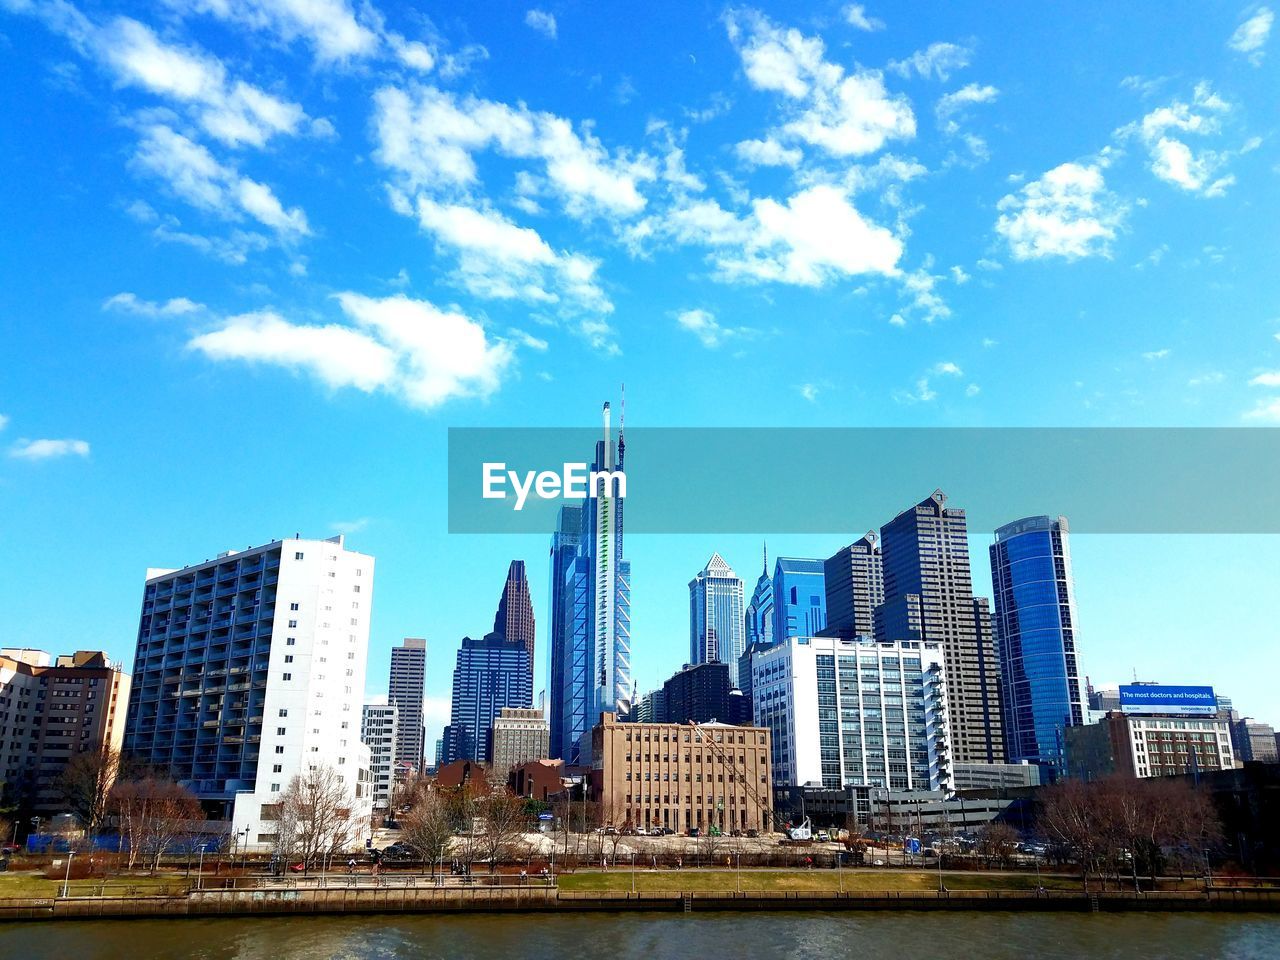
(809, 391)
(1265, 410)
(856, 16)
(195, 175)
(818, 235)
(4, 421)
(48, 449)
(409, 348)
(1250, 37)
(1270, 378)
(936, 61)
(1160, 354)
(541, 22)
(330, 26)
(959, 275)
(947, 368)
(920, 286)
(842, 114)
(429, 135)
(768, 153)
(972, 390)
(1207, 379)
(500, 260)
(1068, 212)
(703, 325)
(1164, 130)
(348, 527)
(131, 303)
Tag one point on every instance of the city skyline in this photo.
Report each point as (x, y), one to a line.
(239, 250)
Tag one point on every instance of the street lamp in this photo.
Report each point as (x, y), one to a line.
(66, 882)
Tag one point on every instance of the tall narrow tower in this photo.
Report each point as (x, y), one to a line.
(514, 620)
(715, 616)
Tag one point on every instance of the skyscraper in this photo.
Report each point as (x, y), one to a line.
(514, 619)
(716, 621)
(491, 673)
(595, 671)
(564, 548)
(378, 731)
(854, 578)
(799, 598)
(760, 610)
(258, 653)
(1035, 624)
(928, 595)
(406, 691)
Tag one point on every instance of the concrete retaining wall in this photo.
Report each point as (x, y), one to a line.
(289, 901)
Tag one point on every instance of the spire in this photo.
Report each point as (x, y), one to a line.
(765, 543)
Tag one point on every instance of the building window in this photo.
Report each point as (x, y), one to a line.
(293, 624)
(280, 731)
(277, 768)
(279, 749)
(287, 676)
(293, 606)
(284, 711)
(297, 556)
(290, 641)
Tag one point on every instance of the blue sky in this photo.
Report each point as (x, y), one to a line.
(259, 255)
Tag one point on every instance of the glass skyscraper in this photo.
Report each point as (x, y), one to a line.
(716, 623)
(564, 548)
(595, 635)
(491, 673)
(1035, 618)
(799, 598)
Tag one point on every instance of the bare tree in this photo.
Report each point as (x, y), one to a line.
(86, 782)
(428, 826)
(503, 821)
(153, 814)
(997, 841)
(316, 817)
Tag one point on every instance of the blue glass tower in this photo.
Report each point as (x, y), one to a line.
(799, 598)
(564, 548)
(491, 673)
(1034, 623)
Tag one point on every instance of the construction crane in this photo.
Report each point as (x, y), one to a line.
(776, 819)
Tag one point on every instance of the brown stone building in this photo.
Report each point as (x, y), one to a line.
(471, 774)
(681, 776)
(539, 779)
(49, 712)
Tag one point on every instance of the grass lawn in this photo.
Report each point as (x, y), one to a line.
(711, 881)
(31, 884)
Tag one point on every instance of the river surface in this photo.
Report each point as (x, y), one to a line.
(711, 936)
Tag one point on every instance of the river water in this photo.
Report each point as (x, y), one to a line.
(856, 936)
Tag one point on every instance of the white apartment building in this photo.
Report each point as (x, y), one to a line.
(250, 670)
(378, 731)
(854, 712)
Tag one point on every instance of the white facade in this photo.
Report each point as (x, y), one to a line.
(378, 729)
(845, 712)
(251, 670)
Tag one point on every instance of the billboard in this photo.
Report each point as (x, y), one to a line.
(1159, 698)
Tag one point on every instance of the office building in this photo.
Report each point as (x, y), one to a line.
(681, 776)
(595, 675)
(855, 712)
(519, 736)
(491, 673)
(406, 691)
(716, 618)
(1035, 629)
(759, 615)
(568, 671)
(249, 671)
(854, 578)
(50, 711)
(514, 619)
(1255, 741)
(378, 731)
(799, 598)
(1159, 731)
(928, 595)
(697, 693)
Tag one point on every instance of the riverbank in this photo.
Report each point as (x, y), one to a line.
(290, 900)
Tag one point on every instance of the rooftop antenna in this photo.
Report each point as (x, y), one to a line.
(765, 544)
(622, 426)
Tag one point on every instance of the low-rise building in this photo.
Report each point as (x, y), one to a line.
(682, 776)
(51, 710)
(1255, 741)
(538, 779)
(1148, 746)
(995, 776)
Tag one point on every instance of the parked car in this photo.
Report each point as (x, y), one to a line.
(642, 831)
(693, 831)
(752, 834)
